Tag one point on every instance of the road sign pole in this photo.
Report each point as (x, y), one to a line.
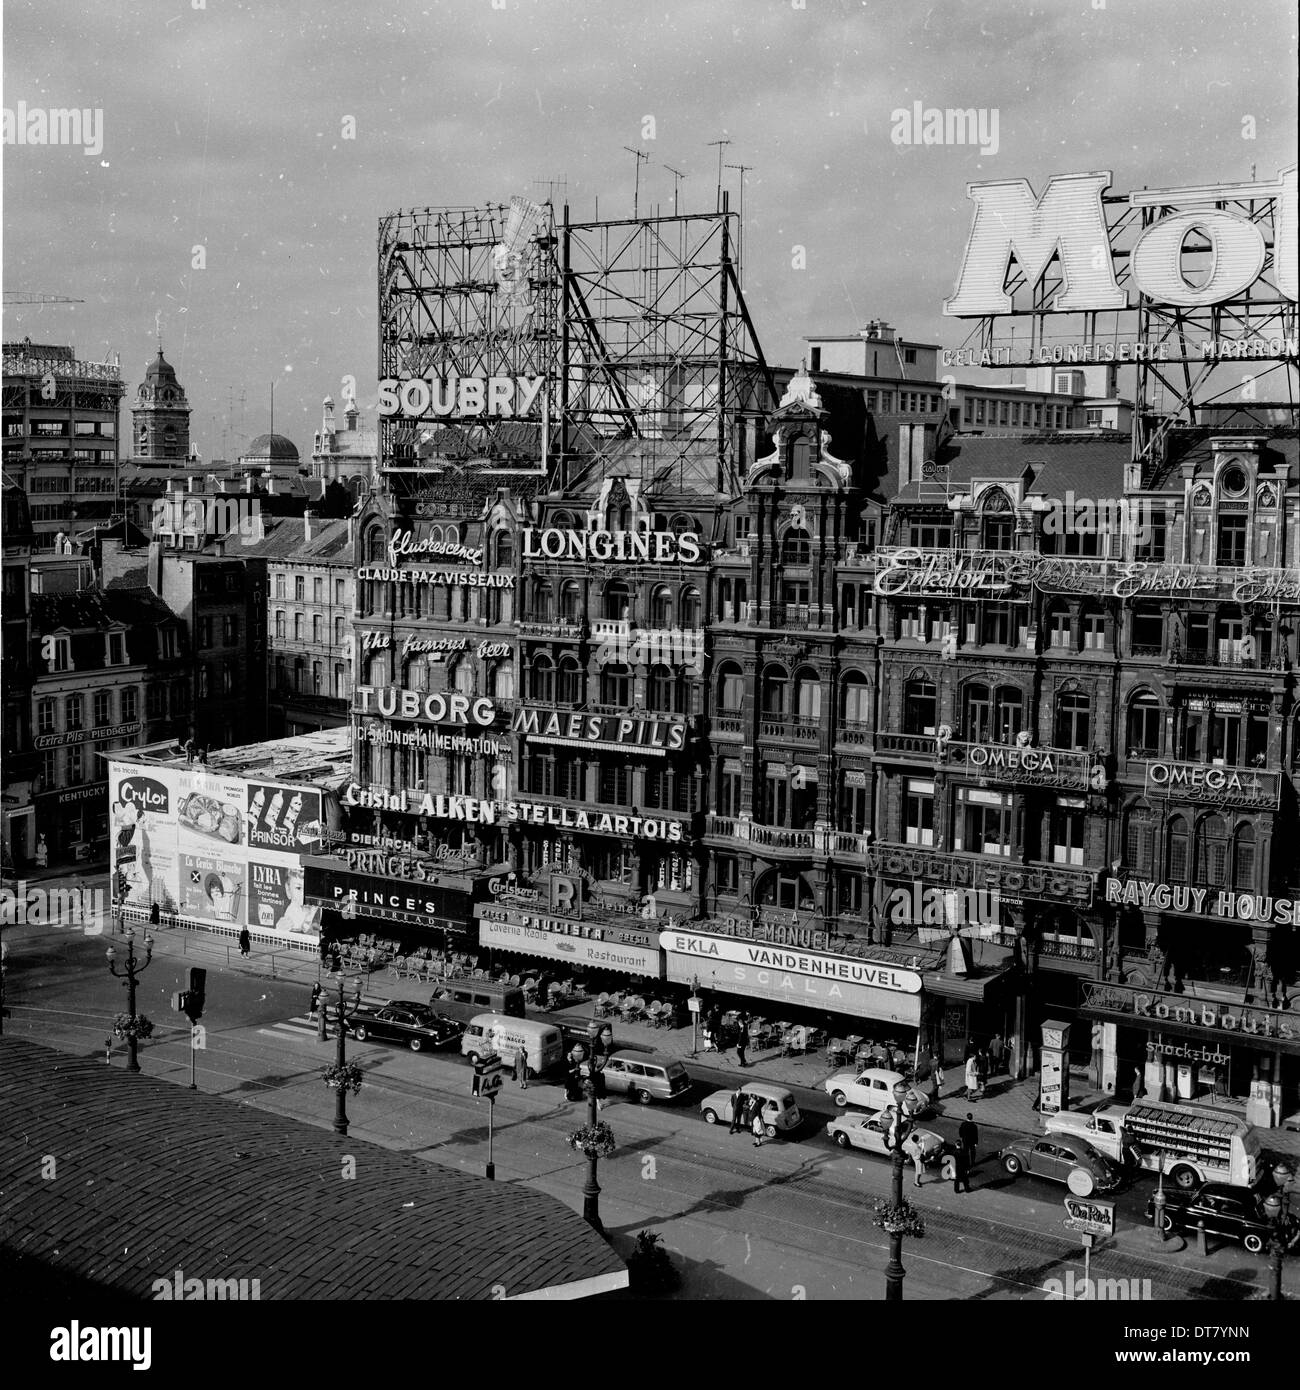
(492, 1110)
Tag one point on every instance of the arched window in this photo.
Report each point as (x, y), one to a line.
(776, 685)
(377, 669)
(571, 601)
(568, 681)
(785, 888)
(616, 685)
(505, 550)
(807, 694)
(856, 699)
(542, 680)
(664, 691)
(661, 606)
(920, 706)
(977, 713)
(502, 681)
(1243, 858)
(1073, 720)
(731, 689)
(376, 546)
(1177, 850)
(543, 601)
(999, 527)
(796, 548)
(618, 600)
(1139, 840)
(1212, 852)
(1144, 723)
(689, 609)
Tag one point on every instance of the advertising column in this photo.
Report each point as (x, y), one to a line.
(1054, 1074)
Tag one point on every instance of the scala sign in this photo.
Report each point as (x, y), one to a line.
(1069, 222)
(418, 398)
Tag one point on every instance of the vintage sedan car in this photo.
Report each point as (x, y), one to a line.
(780, 1113)
(854, 1130)
(1062, 1158)
(873, 1089)
(1234, 1212)
(413, 1024)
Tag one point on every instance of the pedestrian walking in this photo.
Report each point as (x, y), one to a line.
(997, 1053)
(918, 1156)
(972, 1078)
(968, 1133)
(936, 1070)
(315, 999)
(759, 1128)
(521, 1069)
(961, 1172)
(739, 1116)
(245, 941)
(742, 1042)
(155, 914)
(981, 1067)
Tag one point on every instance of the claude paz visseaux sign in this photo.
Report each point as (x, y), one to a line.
(1069, 221)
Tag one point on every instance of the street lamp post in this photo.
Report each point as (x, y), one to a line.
(894, 1271)
(129, 977)
(1276, 1245)
(340, 1056)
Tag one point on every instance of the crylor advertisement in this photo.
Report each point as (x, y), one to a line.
(287, 819)
(142, 811)
(212, 887)
(275, 898)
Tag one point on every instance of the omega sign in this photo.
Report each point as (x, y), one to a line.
(1069, 221)
(419, 398)
(1227, 785)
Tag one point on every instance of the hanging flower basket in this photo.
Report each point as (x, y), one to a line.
(135, 1026)
(343, 1078)
(898, 1218)
(596, 1141)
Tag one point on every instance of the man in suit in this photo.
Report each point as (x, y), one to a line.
(969, 1135)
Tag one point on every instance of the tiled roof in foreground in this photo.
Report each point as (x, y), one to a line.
(152, 1178)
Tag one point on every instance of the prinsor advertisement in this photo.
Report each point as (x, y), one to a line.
(287, 819)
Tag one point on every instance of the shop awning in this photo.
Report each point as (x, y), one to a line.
(973, 989)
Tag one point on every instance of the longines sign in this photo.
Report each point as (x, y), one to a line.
(1208, 1014)
(975, 871)
(1069, 222)
(656, 547)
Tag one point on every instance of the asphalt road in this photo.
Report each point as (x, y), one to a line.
(790, 1220)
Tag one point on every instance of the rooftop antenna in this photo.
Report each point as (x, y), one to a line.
(677, 183)
(721, 144)
(636, 191)
(740, 239)
(273, 407)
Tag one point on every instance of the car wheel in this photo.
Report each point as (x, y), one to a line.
(1253, 1243)
(839, 1098)
(644, 1097)
(1184, 1178)
(1013, 1165)
(770, 1131)
(710, 1117)
(1166, 1222)
(842, 1139)
(1086, 1183)
(416, 1044)
(359, 1032)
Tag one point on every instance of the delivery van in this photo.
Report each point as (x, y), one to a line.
(495, 1034)
(1189, 1144)
(464, 999)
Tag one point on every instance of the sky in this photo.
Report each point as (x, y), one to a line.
(249, 148)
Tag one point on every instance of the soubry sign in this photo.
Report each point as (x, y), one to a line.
(1069, 222)
(657, 547)
(1237, 907)
(420, 398)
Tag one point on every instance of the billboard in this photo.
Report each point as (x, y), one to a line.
(212, 887)
(282, 818)
(142, 844)
(275, 900)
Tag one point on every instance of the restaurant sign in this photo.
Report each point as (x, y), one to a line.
(600, 954)
(1129, 1002)
(1223, 786)
(567, 926)
(1054, 883)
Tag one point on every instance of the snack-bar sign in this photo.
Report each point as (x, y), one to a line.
(1069, 221)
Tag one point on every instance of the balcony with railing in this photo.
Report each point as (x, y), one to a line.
(767, 837)
(565, 629)
(729, 723)
(853, 732)
(1241, 654)
(797, 728)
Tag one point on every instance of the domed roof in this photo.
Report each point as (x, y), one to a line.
(159, 367)
(272, 447)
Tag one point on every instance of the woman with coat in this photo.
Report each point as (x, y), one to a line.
(972, 1077)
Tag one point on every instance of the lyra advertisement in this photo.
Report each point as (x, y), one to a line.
(283, 818)
(142, 835)
(213, 888)
(275, 898)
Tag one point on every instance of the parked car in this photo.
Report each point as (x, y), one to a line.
(779, 1109)
(413, 1024)
(1227, 1210)
(855, 1130)
(873, 1089)
(1062, 1158)
(645, 1076)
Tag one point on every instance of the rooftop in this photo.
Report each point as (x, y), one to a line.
(323, 758)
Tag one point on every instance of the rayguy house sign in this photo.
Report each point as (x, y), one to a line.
(1203, 902)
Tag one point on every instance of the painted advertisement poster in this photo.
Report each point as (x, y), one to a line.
(283, 818)
(210, 810)
(142, 837)
(275, 898)
(212, 887)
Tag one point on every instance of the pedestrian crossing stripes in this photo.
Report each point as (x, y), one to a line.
(304, 1026)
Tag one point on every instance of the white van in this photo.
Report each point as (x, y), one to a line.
(488, 1034)
(1190, 1144)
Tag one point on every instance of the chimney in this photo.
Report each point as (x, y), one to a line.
(154, 567)
(307, 518)
(349, 532)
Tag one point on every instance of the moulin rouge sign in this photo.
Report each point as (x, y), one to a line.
(1069, 222)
